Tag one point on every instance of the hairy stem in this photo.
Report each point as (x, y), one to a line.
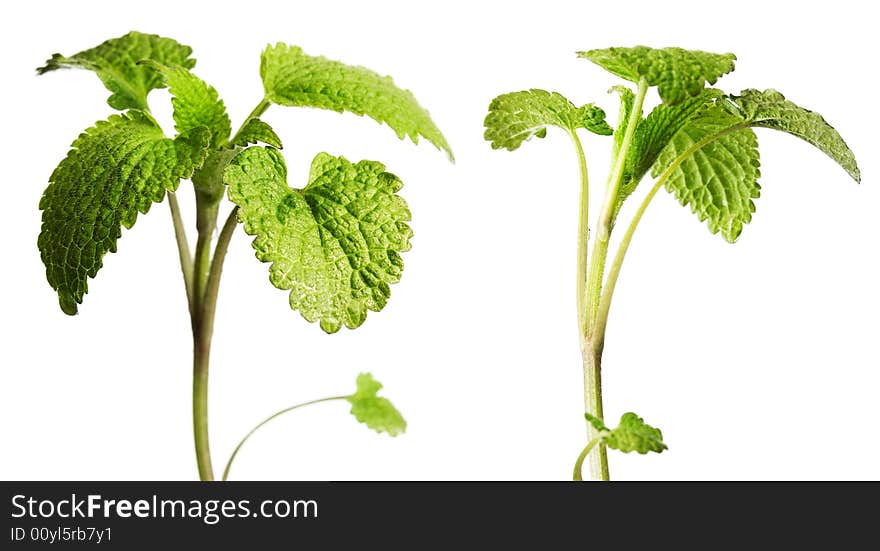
(579, 464)
(583, 234)
(273, 416)
(186, 260)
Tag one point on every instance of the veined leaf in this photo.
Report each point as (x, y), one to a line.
(115, 170)
(293, 78)
(654, 132)
(196, 105)
(677, 73)
(631, 435)
(376, 412)
(335, 244)
(770, 109)
(718, 180)
(116, 64)
(516, 117)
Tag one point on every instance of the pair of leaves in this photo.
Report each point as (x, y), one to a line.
(703, 138)
(631, 435)
(347, 231)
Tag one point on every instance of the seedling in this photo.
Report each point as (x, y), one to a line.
(334, 244)
(698, 143)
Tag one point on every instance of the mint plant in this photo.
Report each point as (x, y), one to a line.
(698, 143)
(334, 244)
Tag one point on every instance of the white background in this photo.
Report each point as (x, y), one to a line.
(758, 360)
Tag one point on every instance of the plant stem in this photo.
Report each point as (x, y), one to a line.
(186, 260)
(202, 329)
(266, 420)
(204, 284)
(212, 287)
(579, 464)
(591, 348)
(604, 226)
(583, 233)
(201, 355)
(592, 359)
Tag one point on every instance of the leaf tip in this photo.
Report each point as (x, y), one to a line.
(68, 304)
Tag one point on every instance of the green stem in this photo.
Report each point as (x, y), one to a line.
(205, 284)
(186, 260)
(212, 286)
(593, 403)
(273, 416)
(579, 464)
(202, 325)
(603, 228)
(201, 354)
(583, 233)
(591, 350)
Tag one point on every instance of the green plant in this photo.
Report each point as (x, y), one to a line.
(334, 245)
(698, 143)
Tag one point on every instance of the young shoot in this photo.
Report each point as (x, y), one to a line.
(334, 244)
(698, 143)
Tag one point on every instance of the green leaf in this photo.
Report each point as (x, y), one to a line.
(718, 180)
(293, 78)
(654, 132)
(196, 105)
(517, 116)
(116, 64)
(770, 109)
(634, 435)
(115, 170)
(256, 131)
(375, 411)
(677, 73)
(336, 243)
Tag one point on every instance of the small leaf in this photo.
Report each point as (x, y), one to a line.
(720, 179)
(375, 411)
(115, 170)
(517, 116)
(293, 78)
(335, 244)
(634, 435)
(677, 73)
(116, 64)
(256, 131)
(196, 104)
(770, 109)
